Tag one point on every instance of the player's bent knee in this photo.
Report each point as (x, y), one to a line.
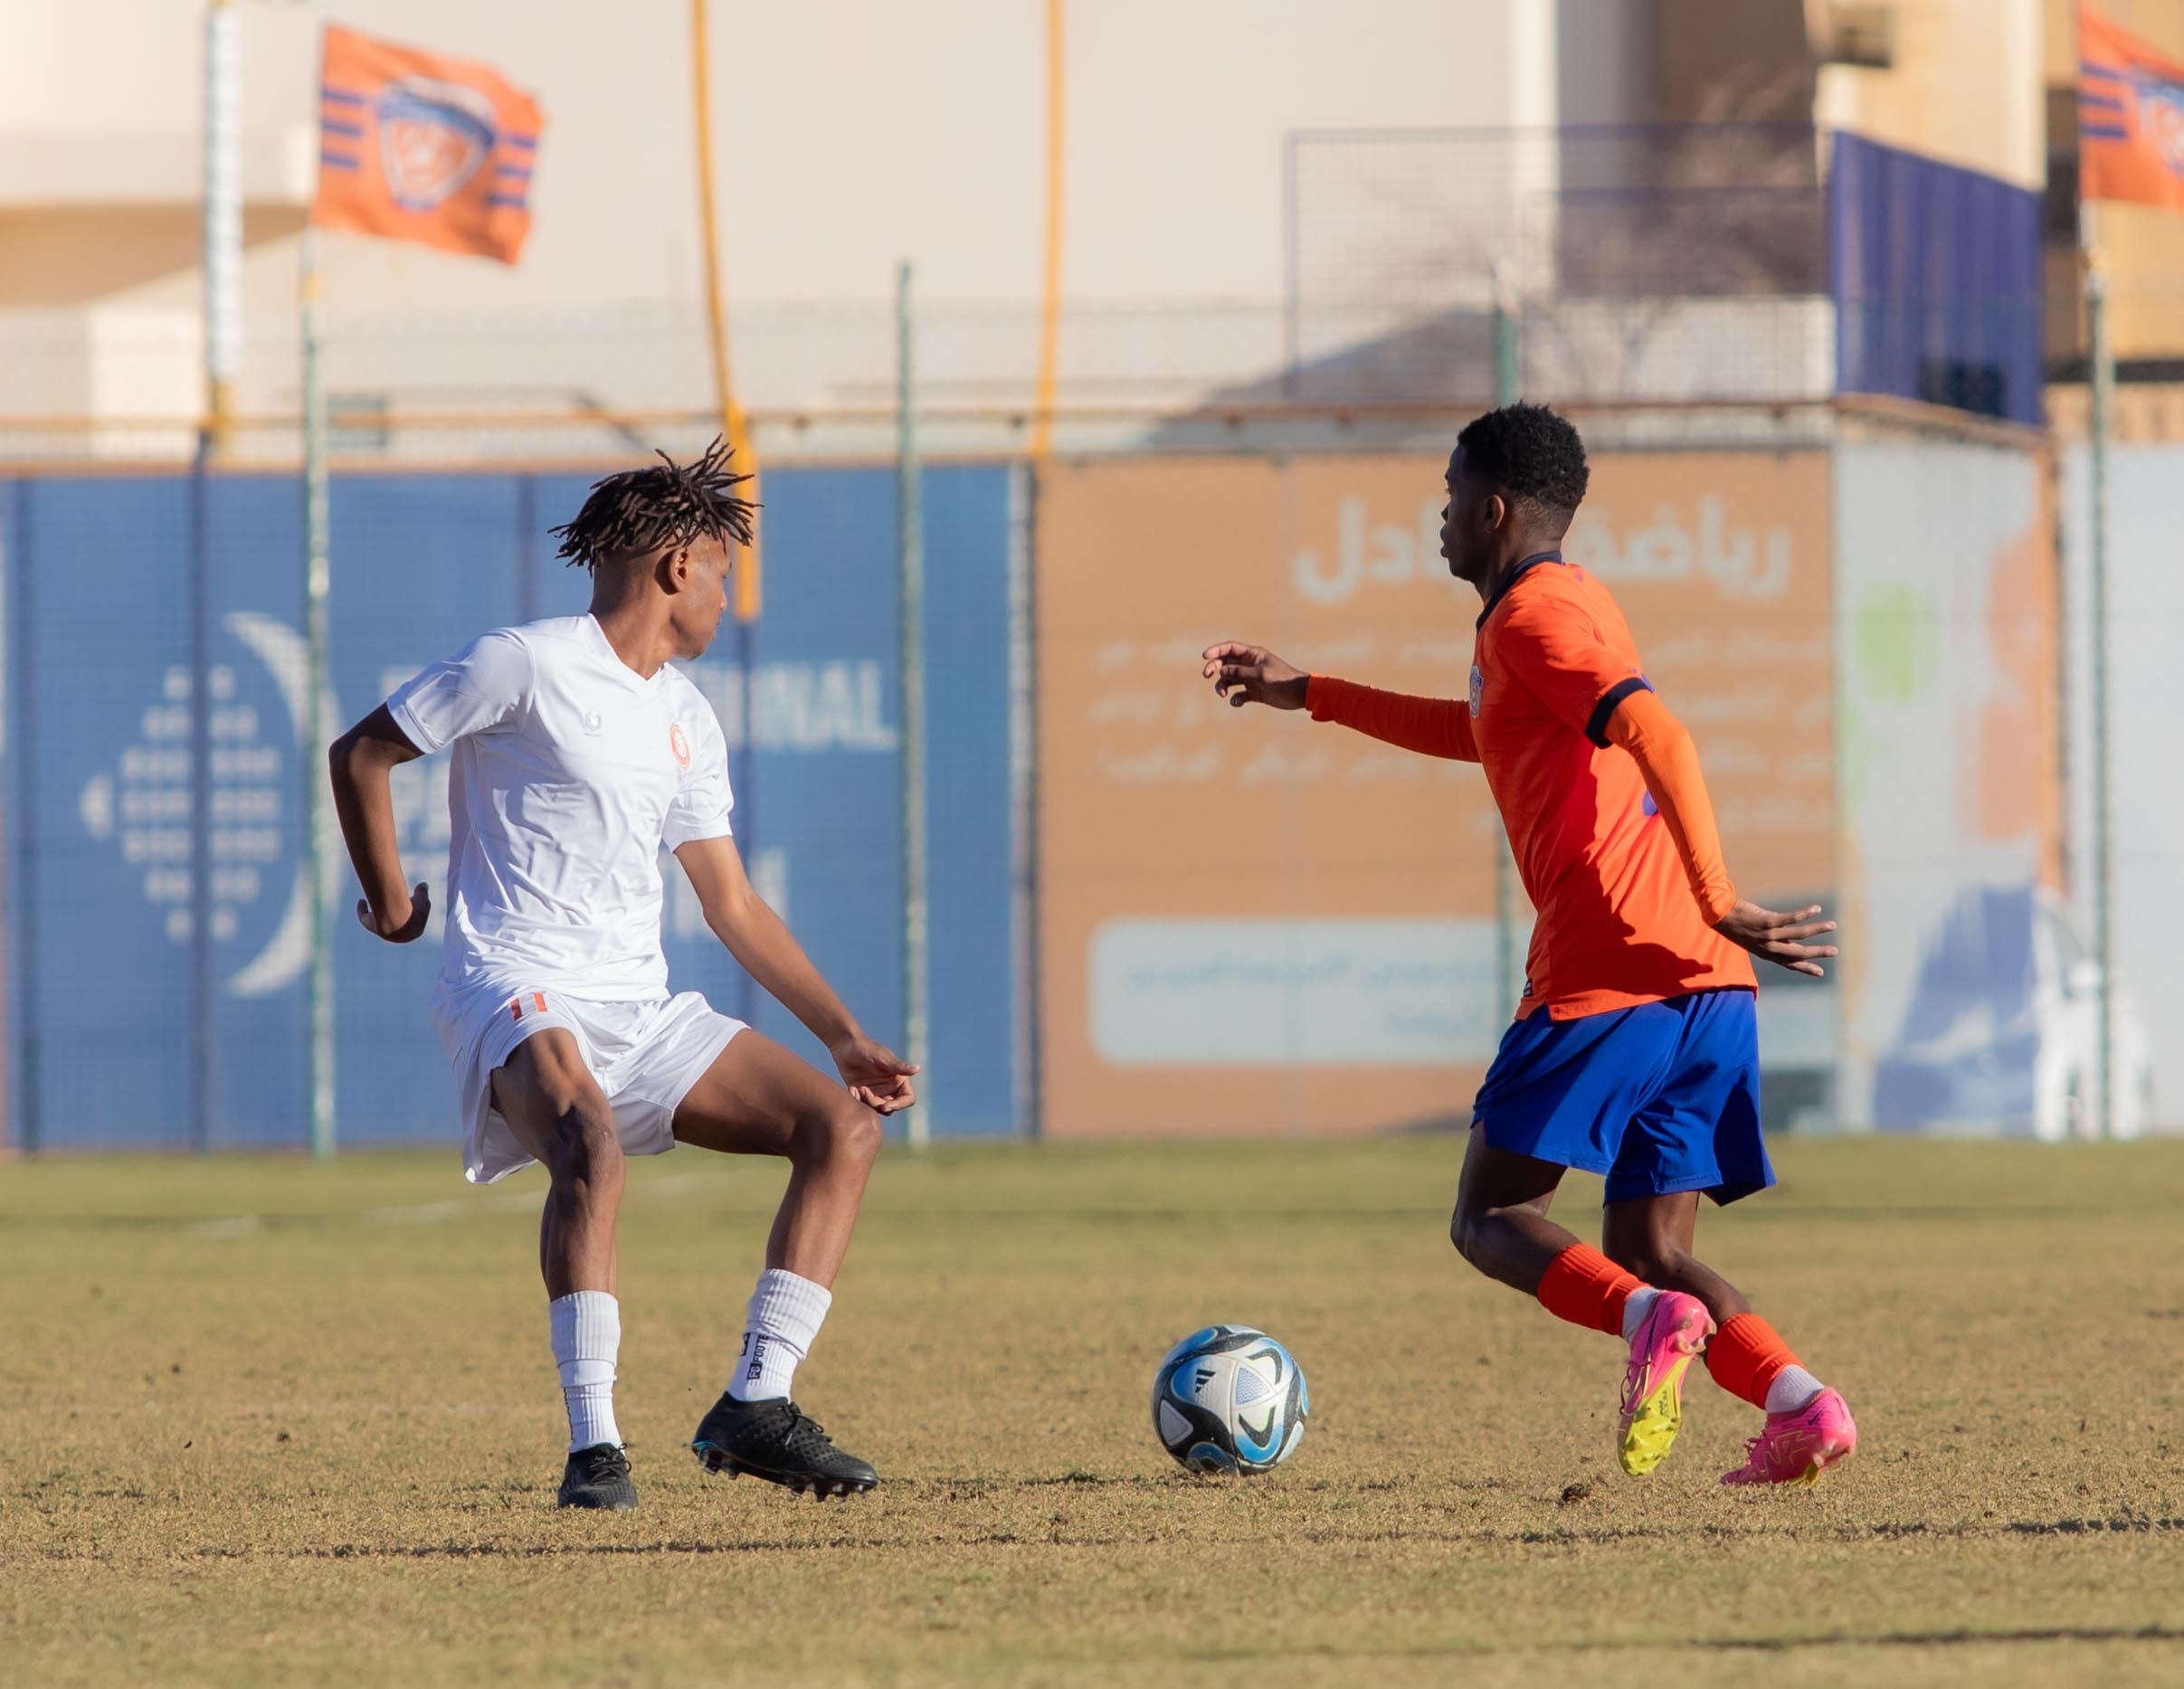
(844, 1133)
(857, 1133)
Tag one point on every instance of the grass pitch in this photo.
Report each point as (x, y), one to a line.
(267, 1421)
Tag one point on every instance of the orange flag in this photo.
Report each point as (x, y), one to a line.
(419, 148)
(2131, 118)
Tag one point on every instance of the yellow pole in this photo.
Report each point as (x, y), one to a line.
(734, 424)
(1050, 310)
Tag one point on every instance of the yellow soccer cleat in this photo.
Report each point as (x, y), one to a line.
(1675, 1329)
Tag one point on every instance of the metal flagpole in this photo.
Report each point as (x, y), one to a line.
(2102, 360)
(319, 806)
(1508, 381)
(221, 232)
(909, 522)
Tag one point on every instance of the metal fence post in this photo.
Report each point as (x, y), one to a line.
(2103, 371)
(1024, 800)
(202, 1019)
(910, 524)
(21, 788)
(319, 814)
(1509, 382)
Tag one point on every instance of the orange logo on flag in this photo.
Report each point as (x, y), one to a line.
(2131, 118)
(418, 148)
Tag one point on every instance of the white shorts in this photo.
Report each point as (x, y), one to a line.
(646, 1056)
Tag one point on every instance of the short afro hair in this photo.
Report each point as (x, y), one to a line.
(1531, 454)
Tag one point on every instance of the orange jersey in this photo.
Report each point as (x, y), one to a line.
(1618, 921)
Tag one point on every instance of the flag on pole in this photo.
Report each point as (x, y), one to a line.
(2130, 117)
(415, 146)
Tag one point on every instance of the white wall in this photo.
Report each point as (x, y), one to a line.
(2145, 699)
(1934, 616)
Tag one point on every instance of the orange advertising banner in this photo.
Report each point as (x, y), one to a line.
(2130, 117)
(414, 146)
(1252, 923)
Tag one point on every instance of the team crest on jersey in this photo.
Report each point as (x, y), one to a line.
(433, 137)
(679, 745)
(1479, 690)
(592, 721)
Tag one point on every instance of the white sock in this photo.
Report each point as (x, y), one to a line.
(1793, 1387)
(783, 1320)
(587, 1336)
(1635, 1308)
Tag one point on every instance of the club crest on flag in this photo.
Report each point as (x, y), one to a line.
(433, 138)
(2131, 118)
(2162, 110)
(417, 146)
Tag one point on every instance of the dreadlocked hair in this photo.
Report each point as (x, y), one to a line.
(639, 512)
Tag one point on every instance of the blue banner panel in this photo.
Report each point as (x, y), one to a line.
(1936, 275)
(104, 944)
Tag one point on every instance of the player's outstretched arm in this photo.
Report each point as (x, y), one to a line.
(1432, 727)
(359, 763)
(758, 939)
(1662, 748)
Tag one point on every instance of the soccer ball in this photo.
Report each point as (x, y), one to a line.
(1229, 1399)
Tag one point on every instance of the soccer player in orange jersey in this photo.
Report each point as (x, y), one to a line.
(1635, 1051)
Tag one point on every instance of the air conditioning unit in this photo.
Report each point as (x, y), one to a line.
(1860, 33)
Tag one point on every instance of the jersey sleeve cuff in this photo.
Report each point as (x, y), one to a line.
(695, 832)
(1612, 701)
(414, 730)
(1322, 696)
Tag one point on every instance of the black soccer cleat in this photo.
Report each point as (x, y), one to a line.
(773, 1440)
(598, 1476)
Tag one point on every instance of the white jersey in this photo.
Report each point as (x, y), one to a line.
(570, 771)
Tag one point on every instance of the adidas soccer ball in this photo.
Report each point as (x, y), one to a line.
(1229, 1399)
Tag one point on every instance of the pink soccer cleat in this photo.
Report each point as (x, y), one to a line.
(1796, 1446)
(1676, 1328)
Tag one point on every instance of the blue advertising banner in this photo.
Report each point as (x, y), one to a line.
(1935, 271)
(104, 949)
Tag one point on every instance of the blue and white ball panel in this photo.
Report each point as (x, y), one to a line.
(1229, 1399)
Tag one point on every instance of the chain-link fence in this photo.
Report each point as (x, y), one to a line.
(820, 382)
(1641, 263)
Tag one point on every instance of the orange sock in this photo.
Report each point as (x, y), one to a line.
(1746, 1356)
(1585, 1288)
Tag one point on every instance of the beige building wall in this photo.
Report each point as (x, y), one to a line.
(1964, 83)
(851, 134)
(1964, 86)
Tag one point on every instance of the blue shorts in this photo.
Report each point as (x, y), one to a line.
(1660, 1098)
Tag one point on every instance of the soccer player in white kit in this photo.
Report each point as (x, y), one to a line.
(579, 751)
